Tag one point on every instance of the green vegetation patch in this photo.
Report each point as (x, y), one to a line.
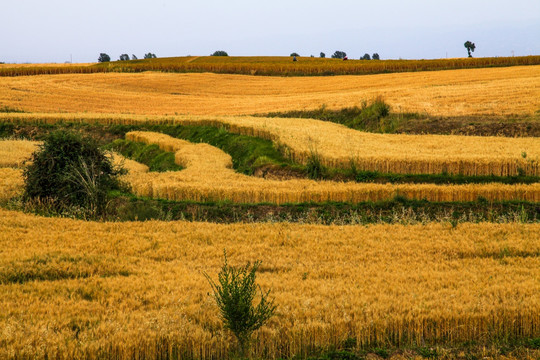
(248, 153)
(150, 155)
(399, 210)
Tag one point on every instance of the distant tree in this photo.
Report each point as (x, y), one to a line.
(339, 54)
(322, 55)
(365, 57)
(294, 54)
(220, 53)
(104, 58)
(124, 57)
(133, 57)
(312, 56)
(150, 56)
(375, 56)
(470, 47)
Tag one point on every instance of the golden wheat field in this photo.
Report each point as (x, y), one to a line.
(208, 176)
(512, 90)
(131, 289)
(338, 146)
(137, 290)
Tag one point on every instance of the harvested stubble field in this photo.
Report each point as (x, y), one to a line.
(137, 289)
(493, 91)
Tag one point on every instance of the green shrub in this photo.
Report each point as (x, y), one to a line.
(70, 171)
(234, 294)
(370, 115)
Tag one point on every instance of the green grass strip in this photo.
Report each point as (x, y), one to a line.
(150, 155)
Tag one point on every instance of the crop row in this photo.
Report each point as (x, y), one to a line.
(278, 66)
(208, 177)
(340, 147)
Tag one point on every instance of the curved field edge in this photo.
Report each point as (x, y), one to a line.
(383, 285)
(208, 177)
(250, 155)
(339, 146)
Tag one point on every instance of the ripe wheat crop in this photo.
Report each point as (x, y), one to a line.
(11, 183)
(339, 147)
(13, 153)
(208, 177)
(493, 91)
(276, 66)
(72, 289)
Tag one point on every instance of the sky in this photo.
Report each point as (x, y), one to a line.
(38, 31)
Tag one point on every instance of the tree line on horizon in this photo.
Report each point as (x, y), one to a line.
(338, 54)
(103, 57)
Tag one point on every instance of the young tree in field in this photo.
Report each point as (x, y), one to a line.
(470, 47)
(104, 58)
(220, 53)
(234, 294)
(375, 56)
(150, 56)
(322, 55)
(124, 57)
(133, 57)
(365, 57)
(339, 54)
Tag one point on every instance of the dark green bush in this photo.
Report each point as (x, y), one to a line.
(70, 171)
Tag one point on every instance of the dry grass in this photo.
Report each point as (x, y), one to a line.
(73, 287)
(499, 91)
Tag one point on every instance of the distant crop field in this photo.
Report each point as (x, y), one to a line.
(274, 66)
(493, 91)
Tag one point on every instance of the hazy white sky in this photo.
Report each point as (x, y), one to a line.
(55, 30)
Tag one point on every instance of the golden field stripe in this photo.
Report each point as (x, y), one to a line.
(14, 153)
(339, 146)
(488, 91)
(208, 177)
